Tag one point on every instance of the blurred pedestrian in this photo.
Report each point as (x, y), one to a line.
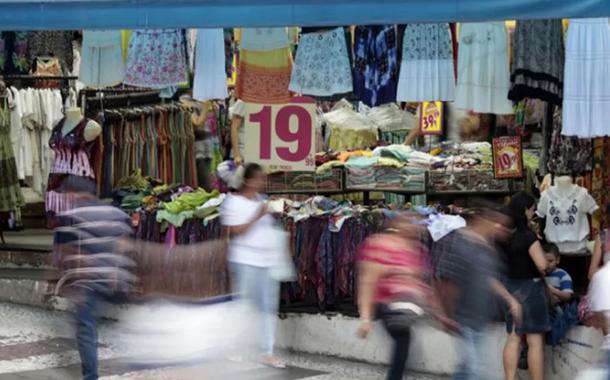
(599, 294)
(467, 281)
(253, 253)
(527, 266)
(392, 267)
(89, 249)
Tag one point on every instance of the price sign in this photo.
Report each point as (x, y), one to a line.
(431, 118)
(508, 157)
(281, 136)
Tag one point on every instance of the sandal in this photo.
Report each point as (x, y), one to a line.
(273, 362)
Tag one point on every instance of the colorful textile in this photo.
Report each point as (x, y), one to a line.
(375, 64)
(156, 58)
(11, 197)
(13, 53)
(51, 44)
(190, 201)
(72, 169)
(322, 66)
(263, 77)
(566, 155)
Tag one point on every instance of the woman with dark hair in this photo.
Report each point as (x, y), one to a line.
(253, 252)
(527, 265)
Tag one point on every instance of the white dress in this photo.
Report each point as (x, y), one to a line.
(210, 76)
(102, 59)
(426, 71)
(586, 92)
(483, 78)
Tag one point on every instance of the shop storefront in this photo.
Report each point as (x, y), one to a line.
(352, 122)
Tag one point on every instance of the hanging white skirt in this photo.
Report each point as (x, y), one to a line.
(586, 99)
(210, 80)
(483, 78)
(322, 66)
(426, 71)
(102, 59)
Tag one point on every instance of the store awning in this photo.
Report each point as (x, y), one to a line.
(87, 14)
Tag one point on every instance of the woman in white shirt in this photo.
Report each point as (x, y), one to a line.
(252, 253)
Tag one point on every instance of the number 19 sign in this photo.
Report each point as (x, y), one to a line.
(281, 136)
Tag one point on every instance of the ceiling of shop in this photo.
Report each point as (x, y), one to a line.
(88, 14)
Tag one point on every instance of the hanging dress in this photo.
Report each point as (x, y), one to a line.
(11, 198)
(586, 98)
(210, 75)
(537, 61)
(102, 59)
(427, 72)
(483, 78)
(375, 64)
(322, 66)
(72, 170)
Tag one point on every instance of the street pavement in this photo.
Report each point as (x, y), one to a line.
(38, 344)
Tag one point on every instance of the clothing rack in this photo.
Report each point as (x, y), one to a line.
(12, 79)
(93, 105)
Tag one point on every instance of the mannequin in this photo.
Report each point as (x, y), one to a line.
(567, 207)
(564, 185)
(73, 117)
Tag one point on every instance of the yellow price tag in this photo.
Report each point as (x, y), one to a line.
(431, 118)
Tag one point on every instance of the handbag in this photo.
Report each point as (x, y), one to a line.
(283, 269)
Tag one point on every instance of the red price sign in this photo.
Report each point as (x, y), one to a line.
(281, 136)
(431, 118)
(508, 157)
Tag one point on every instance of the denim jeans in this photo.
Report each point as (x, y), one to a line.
(86, 333)
(472, 353)
(401, 338)
(261, 292)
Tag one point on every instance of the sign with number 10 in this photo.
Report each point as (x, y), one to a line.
(508, 157)
(281, 136)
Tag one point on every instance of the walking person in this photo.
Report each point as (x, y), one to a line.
(253, 253)
(527, 266)
(466, 279)
(392, 267)
(89, 247)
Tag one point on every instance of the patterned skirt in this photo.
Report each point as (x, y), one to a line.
(322, 66)
(156, 58)
(11, 197)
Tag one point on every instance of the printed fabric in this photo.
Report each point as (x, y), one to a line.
(156, 58)
(538, 60)
(322, 66)
(51, 44)
(566, 155)
(264, 77)
(13, 53)
(427, 72)
(375, 64)
(11, 197)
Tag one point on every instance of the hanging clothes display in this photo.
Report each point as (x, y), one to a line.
(102, 62)
(537, 61)
(72, 169)
(156, 58)
(483, 79)
(264, 77)
(587, 79)
(51, 44)
(427, 70)
(158, 141)
(322, 65)
(565, 155)
(375, 64)
(210, 76)
(14, 53)
(11, 198)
